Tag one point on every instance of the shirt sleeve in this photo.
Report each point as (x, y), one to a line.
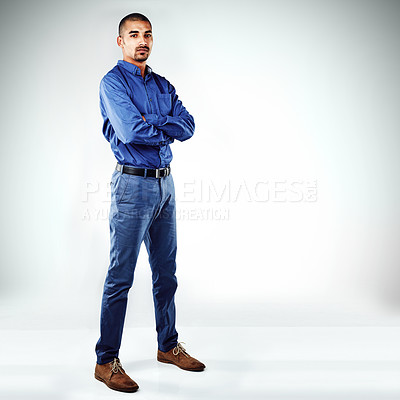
(125, 118)
(180, 125)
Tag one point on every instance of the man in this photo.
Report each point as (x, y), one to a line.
(142, 117)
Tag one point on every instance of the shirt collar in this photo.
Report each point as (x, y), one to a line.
(134, 69)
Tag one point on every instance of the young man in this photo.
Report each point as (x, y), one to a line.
(142, 117)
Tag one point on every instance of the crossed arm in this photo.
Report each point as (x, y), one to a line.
(125, 118)
(132, 127)
(180, 125)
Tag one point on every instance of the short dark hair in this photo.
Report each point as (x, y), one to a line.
(131, 17)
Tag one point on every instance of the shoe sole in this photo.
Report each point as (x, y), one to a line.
(115, 388)
(186, 369)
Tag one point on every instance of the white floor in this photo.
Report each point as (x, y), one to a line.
(242, 363)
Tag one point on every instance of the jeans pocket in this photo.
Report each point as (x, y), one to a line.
(119, 187)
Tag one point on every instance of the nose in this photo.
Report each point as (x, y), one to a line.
(143, 41)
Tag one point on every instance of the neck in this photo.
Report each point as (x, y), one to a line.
(140, 64)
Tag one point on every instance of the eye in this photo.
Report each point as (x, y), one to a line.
(134, 35)
(148, 35)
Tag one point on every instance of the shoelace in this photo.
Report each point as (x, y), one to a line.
(116, 366)
(179, 349)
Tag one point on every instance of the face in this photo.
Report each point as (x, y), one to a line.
(136, 41)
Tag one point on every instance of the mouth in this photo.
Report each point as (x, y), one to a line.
(143, 50)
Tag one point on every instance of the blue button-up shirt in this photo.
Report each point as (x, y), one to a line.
(124, 97)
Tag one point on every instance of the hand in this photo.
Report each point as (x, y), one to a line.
(144, 119)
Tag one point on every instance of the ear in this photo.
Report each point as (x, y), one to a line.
(120, 41)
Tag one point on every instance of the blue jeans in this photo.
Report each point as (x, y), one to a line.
(142, 208)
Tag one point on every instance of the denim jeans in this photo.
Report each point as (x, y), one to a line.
(142, 208)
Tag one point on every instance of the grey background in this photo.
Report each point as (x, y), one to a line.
(280, 91)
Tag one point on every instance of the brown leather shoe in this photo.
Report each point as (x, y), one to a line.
(180, 358)
(114, 376)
